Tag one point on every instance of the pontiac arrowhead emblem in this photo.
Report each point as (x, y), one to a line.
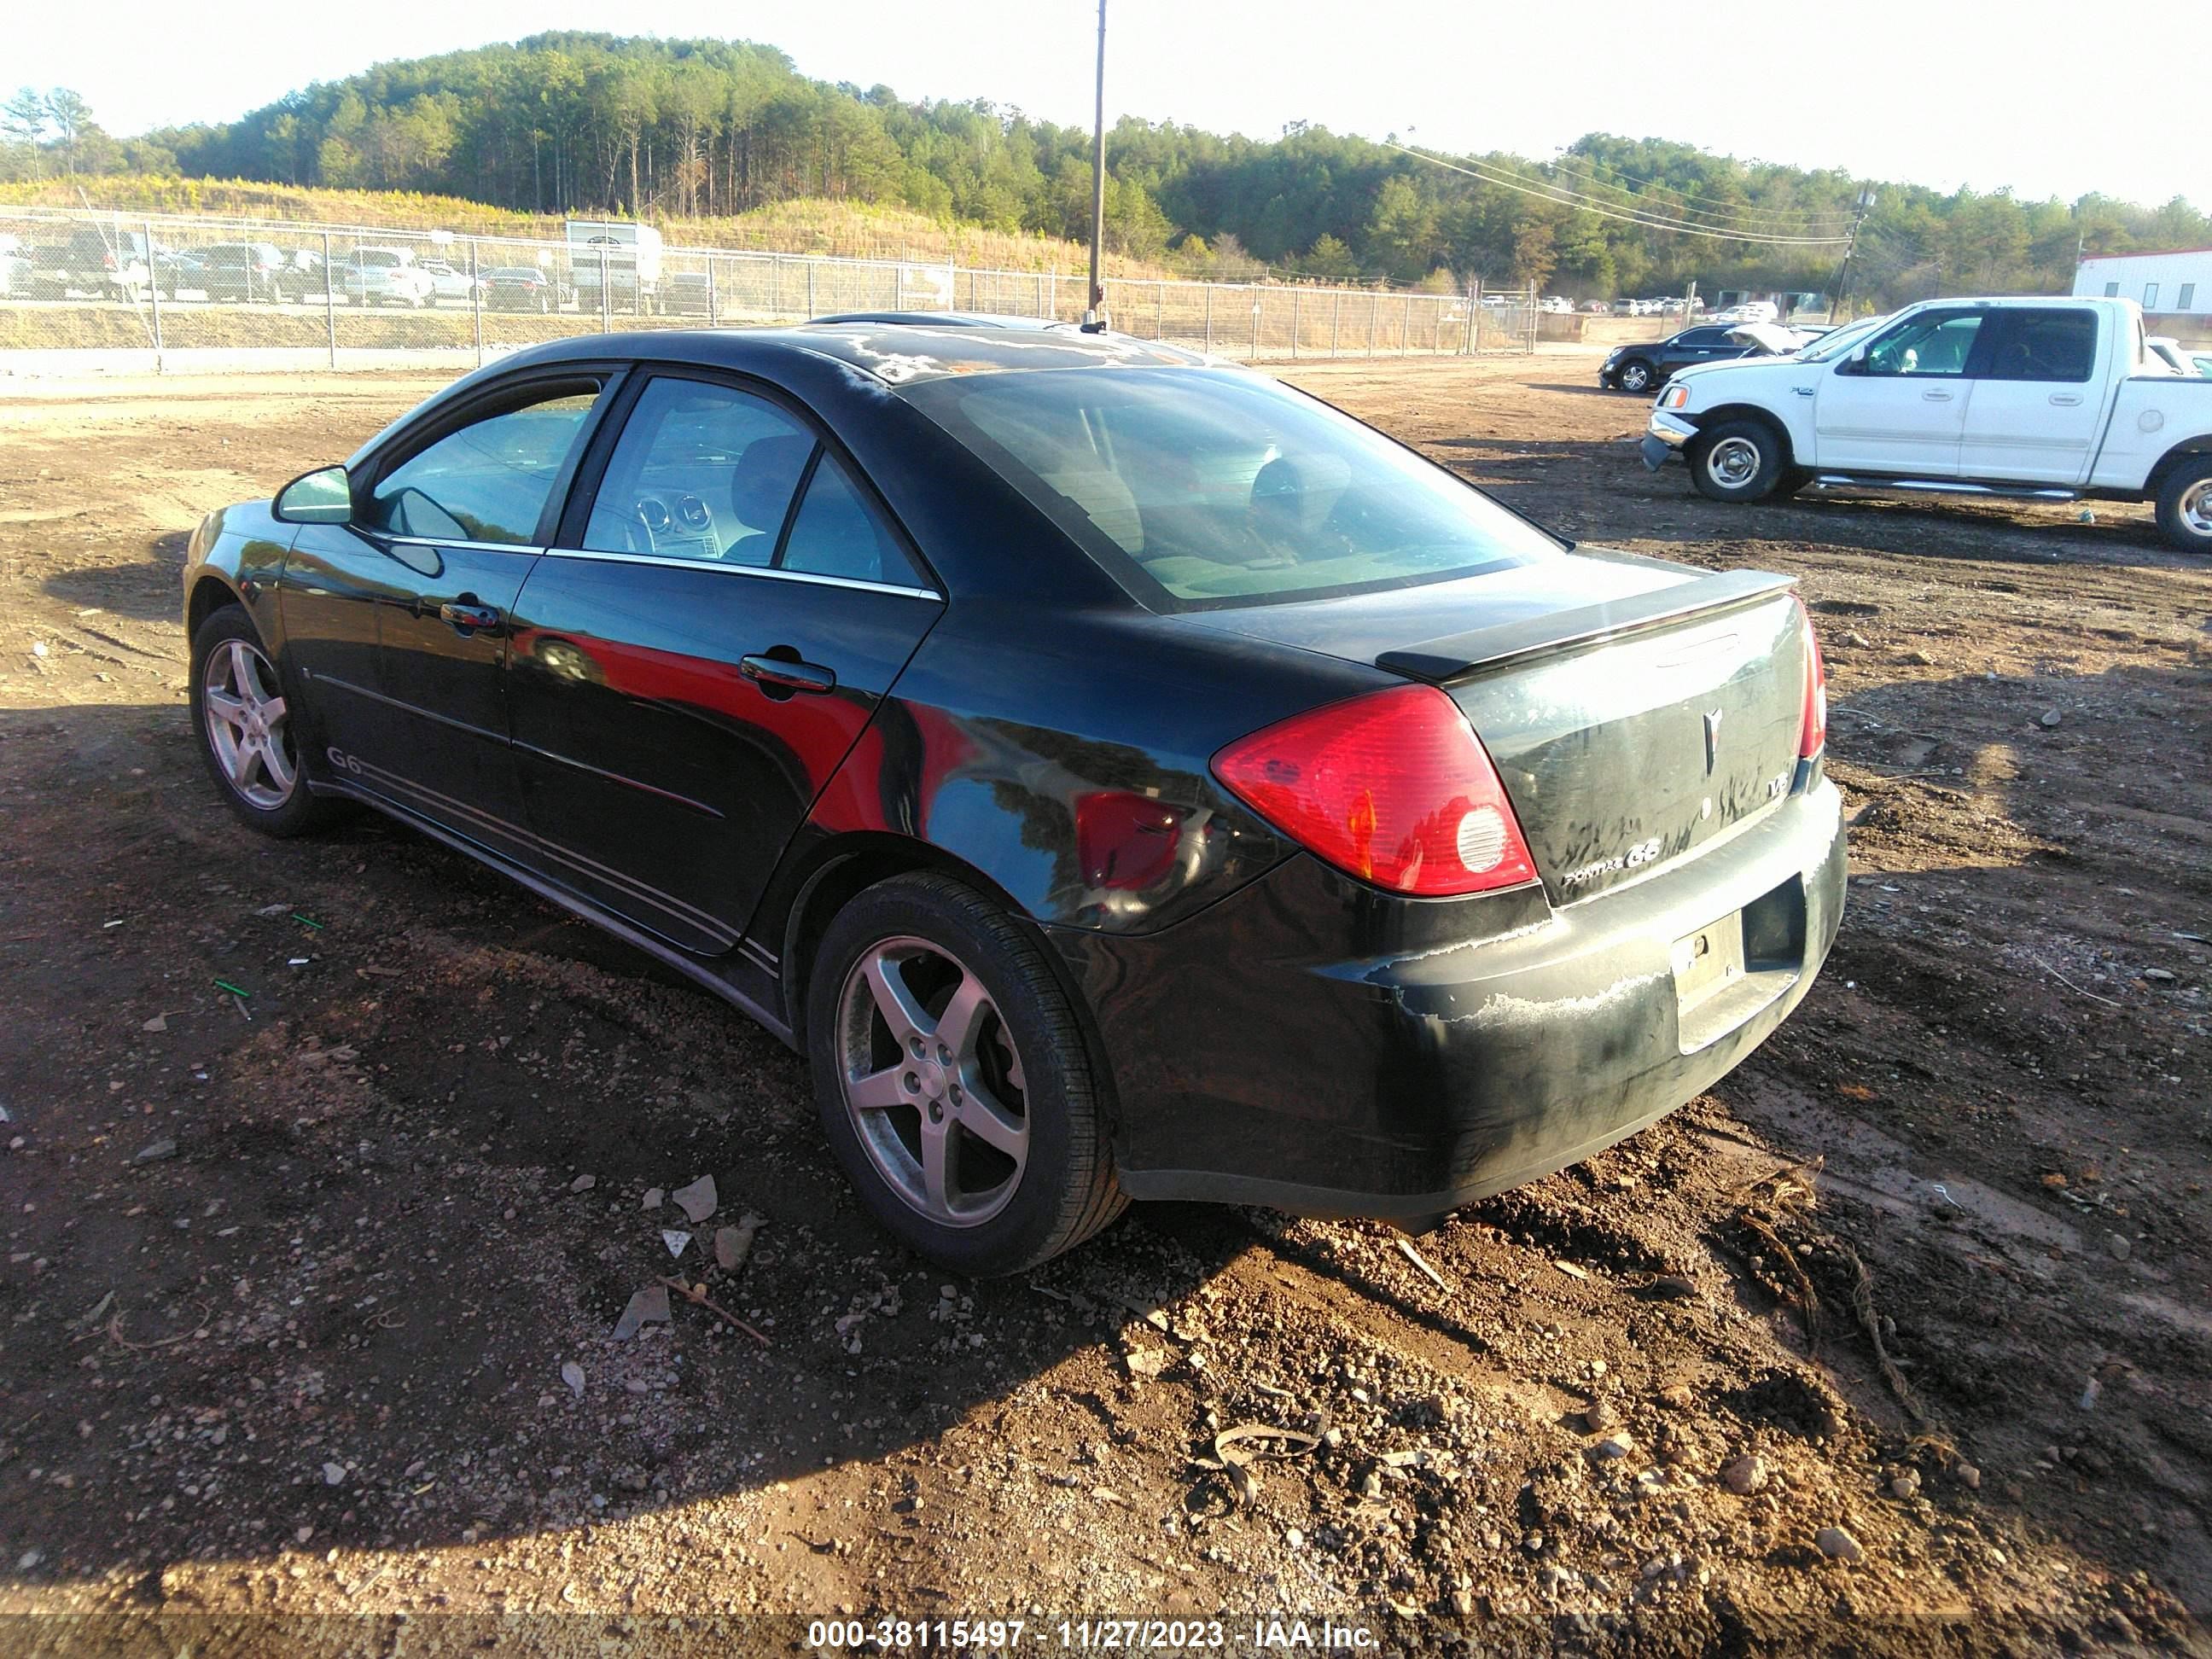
(1713, 738)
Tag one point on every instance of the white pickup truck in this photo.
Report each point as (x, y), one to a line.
(2052, 399)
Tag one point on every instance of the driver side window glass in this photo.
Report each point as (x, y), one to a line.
(489, 482)
(1937, 344)
(703, 471)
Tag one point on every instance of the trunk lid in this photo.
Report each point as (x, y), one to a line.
(1635, 710)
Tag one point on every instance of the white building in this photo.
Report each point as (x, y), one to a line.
(2172, 283)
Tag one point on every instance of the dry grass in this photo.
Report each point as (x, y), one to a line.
(851, 230)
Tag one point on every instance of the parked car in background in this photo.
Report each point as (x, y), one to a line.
(448, 283)
(1595, 307)
(2170, 352)
(2051, 398)
(1750, 310)
(1556, 305)
(244, 271)
(1644, 369)
(686, 294)
(15, 267)
(1122, 776)
(385, 277)
(522, 287)
(96, 260)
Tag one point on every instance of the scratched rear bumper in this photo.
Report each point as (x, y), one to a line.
(1313, 1045)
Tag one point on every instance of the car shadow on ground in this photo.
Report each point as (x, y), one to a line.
(147, 591)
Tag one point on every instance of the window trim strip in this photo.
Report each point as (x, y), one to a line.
(897, 589)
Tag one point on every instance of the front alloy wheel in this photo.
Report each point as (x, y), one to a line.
(248, 726)
(1739, 460)
(1635, 377)
(245, 724)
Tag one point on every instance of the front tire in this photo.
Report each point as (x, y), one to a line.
(2184, 506)
(1635, 375)
(1737, 461)
(953, 1079)
(244, 726)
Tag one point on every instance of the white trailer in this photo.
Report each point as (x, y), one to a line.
(614, 265)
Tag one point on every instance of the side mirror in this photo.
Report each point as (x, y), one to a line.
(322, 496)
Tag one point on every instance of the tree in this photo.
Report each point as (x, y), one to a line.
(1331, 260)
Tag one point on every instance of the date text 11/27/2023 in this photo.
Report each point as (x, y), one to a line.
(1095, 1635)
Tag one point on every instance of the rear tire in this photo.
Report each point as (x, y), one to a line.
(2184, 506)
(1035, 1177)
(1737, 461)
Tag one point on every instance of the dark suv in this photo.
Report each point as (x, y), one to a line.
(1642, 369)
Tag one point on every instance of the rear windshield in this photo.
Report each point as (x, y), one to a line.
(1206, 488)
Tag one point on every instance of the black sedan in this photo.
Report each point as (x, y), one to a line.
(1121, 775)
(1646, 368)
(520, 287)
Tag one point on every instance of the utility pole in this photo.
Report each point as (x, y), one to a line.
(1091, 313)
(1866, 199)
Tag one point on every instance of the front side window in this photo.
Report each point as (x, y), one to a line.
(703, 471)
(488, 482)
(2111, 290)
(2150, 296)
(2046, 345)
(2186, 300)
(1704, 337)
(1216, 487)
(1934, 343)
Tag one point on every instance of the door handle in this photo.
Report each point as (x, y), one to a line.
(467, 615)
(787, 674)
(2065, 399)
(1936, 397)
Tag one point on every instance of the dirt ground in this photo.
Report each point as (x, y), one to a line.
(306, 1307)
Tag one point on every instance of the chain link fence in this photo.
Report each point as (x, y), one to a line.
(162, 291)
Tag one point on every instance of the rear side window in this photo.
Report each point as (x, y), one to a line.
(836, 534)
(1199, 488)
(2046, 345)
(487, 481)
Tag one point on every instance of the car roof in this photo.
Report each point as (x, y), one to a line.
(892, 353)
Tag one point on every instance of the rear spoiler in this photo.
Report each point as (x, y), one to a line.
(1453, 656)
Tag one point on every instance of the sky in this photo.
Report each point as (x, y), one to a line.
(1987, 94)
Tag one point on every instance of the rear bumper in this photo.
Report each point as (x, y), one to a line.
(1664, 436)
(1310, 1044)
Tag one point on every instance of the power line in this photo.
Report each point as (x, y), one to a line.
(1559, 196)
(1809, 215)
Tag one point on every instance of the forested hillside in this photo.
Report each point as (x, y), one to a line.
(696, 130)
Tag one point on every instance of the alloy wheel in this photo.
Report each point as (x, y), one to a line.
(2195, 511)
(1733, 463)
(247, 727)
(933, 1081)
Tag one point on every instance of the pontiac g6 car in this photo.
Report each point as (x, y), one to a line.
(1122, 776)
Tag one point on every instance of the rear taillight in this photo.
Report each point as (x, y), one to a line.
(1392, 787)
(1812, 733)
